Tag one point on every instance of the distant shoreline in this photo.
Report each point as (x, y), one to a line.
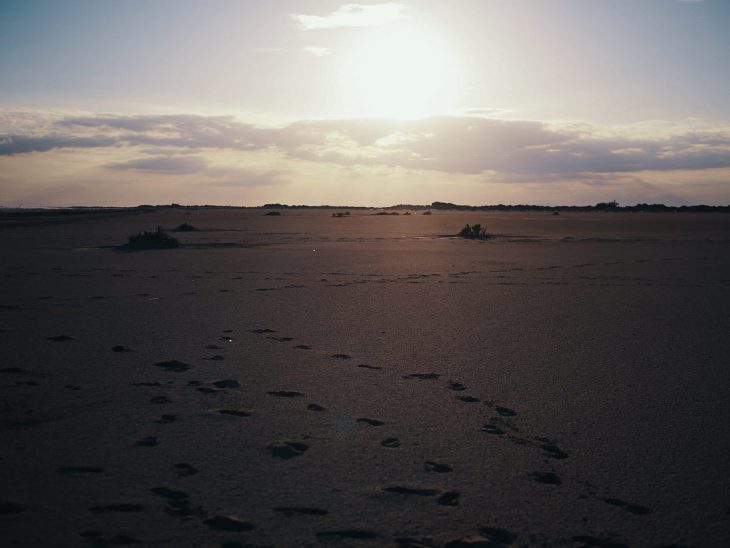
(9, 212)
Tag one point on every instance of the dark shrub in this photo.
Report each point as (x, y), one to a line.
(185, 227)
(475, 232)
(427, 212)
(273, 213)
(151, 240)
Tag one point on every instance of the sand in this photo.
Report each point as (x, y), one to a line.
(363, 380)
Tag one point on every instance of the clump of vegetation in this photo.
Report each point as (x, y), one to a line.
(273, 213)
(340, 214)
(427, 212)
(153, 240)
(185, 227)
(476, 232)
(386, 213)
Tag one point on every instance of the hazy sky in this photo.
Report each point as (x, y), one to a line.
(371, 103)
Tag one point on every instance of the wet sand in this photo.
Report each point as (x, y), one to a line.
(304, 379)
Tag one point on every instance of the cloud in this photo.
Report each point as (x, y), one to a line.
(19, 144)
(318, 51)
(470, 145)
(352, 15)
(164, 164)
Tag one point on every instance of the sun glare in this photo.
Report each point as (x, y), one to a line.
(399, 75)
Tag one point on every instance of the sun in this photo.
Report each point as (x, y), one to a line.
(399, 74)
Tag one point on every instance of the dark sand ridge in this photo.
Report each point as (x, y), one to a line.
(563, 383)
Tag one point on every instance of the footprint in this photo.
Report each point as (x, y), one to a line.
(217, 358)
(366, 366)
(180, 508)
(168, 493)
(554, 451)
(436, 467)
(416, 491)
(213, 347)
(80, 470)
(174, 366)
(61, 338)
(631, 508)
(422, 376)
(229, 523)
(287, 450)
(226, 339)
(341, 356)
(493, 429)
(123, 540)
(498, 535)
(262, 331)
(315, 407)
(290, 511)
(167, 419)
(468, 399)
(505, 411)
(124, 507)
(285, 394)
(360, 534)
(183, 469)
(408, 542)
(449, 499)
(13, 370)
(548, 478)
(234, 412)
(370, 422)
(206, 390)
(281, 339)
(390, 442)
(227, 383)
(146, 384)
(11, 508)
(149, 441)
(303, 347)
(587, 540)
(159, 399)
(456, 386)
(121, 348)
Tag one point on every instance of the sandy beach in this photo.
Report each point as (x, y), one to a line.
(366, 380)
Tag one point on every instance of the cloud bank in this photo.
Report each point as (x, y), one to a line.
(468, 158)
(448, 144)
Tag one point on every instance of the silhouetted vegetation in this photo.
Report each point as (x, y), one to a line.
(386, 213)
(600, 206)
(273, 213)
(185, 227)
(341, 214)
(475, 232)
(153, 240)
(427, 212)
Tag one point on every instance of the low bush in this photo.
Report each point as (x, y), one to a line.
(185, 227)
(475, 232)
(151, 240)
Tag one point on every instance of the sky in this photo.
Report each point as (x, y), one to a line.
(246, 102)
